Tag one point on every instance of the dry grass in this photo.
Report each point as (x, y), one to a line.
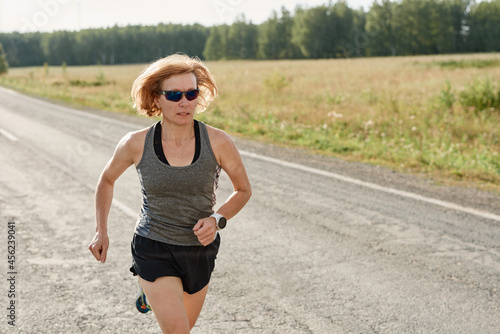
(386, 111)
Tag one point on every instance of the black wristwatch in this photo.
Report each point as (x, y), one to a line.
(220, 221)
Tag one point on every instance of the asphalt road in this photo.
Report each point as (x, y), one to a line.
(324, 246)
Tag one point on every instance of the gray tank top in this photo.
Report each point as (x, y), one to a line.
(175, 198)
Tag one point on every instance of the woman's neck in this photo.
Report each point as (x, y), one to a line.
(175, 133)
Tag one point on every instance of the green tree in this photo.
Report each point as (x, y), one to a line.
(242, 40)
(275, 37)
(412, 22)
(484, 24)
(390, 27)
(448, 25)
(442, 29)
(459, 11)
(4, 66)
(215, 47)
(23, 49)
(310, 32)
(59, 47)
(268, 40)
(380, 29)
(324, 31)
(347, 26)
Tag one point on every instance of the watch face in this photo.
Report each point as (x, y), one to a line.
(222, 222)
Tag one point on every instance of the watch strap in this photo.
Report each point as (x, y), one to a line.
(218, 217)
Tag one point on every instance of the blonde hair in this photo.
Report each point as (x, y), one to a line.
(145, 88)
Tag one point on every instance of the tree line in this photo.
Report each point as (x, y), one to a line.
(333, 30)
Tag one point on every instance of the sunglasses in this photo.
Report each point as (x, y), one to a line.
(176, 96)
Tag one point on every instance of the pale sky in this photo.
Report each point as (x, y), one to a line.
(49, 15)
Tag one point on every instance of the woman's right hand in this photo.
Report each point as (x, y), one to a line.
(99, 246)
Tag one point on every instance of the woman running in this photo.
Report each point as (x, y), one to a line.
(178, 161)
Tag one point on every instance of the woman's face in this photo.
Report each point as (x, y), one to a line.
(181, 112)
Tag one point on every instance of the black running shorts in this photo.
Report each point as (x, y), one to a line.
(152, 259)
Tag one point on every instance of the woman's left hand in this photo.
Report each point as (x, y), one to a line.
(205, 229)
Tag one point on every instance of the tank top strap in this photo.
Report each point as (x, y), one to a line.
(205, 141)
(148, 152)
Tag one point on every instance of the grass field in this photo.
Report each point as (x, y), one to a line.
(435, 115)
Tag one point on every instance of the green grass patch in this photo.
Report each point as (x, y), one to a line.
(453, 64)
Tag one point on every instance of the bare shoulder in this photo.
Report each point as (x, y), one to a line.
(132, 145)
(134, 138)
(218, 138)
(222, 145)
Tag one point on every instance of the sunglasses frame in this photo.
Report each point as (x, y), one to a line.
(166, 93)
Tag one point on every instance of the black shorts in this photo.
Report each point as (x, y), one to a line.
(152, 259)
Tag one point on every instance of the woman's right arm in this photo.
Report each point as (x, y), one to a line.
(127, 152)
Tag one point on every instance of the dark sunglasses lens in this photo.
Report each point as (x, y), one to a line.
(192, 94)
(174, 96)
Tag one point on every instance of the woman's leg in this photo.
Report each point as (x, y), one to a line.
(193, 305)
(166, 297)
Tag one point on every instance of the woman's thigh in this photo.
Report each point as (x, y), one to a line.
(193, 304)
(166, 297)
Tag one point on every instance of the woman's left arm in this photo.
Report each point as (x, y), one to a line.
(230, 160)
(231, 163)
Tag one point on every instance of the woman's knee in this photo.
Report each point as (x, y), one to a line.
(174, 327)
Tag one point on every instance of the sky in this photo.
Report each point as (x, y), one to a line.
(49, 15)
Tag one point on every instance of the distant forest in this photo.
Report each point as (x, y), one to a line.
(333, 30)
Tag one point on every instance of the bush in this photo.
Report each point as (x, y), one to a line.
(276, 81)
(447, 96)
(481, 95)
(4, 66)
